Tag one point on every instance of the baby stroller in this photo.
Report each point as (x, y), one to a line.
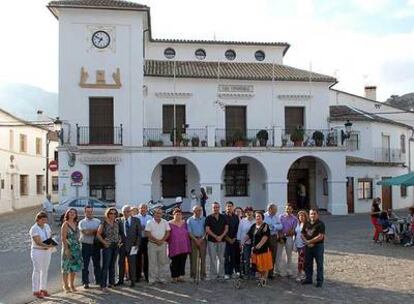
(389, 230)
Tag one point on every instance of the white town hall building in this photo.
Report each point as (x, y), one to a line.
(146, 118)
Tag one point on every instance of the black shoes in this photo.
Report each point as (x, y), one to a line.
(319, 284)
(119, 284)
(306, 282)
(86, 286)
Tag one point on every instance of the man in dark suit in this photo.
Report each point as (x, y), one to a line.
(130, 231)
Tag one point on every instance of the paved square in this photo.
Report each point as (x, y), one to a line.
(356, 271)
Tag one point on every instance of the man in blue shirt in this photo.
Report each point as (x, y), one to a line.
(275, 226)
(196, 230)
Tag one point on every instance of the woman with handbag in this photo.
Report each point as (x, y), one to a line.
(261, 256)
(41, 252)
(108, 235)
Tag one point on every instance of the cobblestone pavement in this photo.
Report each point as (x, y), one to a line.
(356, 271)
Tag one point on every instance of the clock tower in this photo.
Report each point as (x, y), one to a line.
(101, 55)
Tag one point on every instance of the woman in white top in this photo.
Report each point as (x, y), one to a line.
(300, 244)
(40, 254)
(245, 245)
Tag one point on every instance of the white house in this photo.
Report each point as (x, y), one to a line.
(25, 148)
(147, 118)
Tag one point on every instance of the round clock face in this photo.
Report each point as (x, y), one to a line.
(101, 39)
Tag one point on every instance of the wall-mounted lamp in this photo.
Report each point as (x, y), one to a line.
(174, 161)
(347, 133)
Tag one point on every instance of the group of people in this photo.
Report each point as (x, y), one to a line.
(384, 223)
(239, 242)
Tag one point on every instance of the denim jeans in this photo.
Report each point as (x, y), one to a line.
(108, 266)
(247, 271)
(230, 258)
(90, 251)
(316, 252)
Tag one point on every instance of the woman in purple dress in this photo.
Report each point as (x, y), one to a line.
(178, 246)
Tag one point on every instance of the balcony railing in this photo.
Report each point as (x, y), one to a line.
(244, 138)
(310, 138)
(385, 155)
(99, 135)
(156, 137)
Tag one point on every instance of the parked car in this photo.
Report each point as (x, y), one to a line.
(79, 204)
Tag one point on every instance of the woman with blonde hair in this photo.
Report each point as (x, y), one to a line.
(303, 218)
(41, 251)
(71, 250)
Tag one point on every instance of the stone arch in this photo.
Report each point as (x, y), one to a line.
(180, 176)
(308, 183)
(254, 192)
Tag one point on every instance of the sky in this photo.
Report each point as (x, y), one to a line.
(361, 42)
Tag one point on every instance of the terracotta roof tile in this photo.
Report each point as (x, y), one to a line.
(344, 112)
(230, 70)
(191, 41)
(120, 4)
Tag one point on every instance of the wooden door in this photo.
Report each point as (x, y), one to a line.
(102, 182)
(294, 117)
(101, 120)
(350, 194)
(173, 181)
(386, 196)
(235, 121)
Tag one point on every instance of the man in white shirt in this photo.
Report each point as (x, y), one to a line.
(157, 231)
(49, 209)
(88, 228)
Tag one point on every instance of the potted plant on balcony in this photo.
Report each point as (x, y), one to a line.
(195, 141)
(178, 137)
(318, 137)
(185, 142)
(253, 142)
(204, 143)
(223, 143)
(262, 136)
(297, 136)
(239, 139)
(159, 143)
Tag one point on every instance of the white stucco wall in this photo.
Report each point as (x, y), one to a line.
(376, 173)
(25, 163)
(244, 53)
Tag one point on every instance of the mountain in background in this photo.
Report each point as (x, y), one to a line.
(405, 101)
(24, 101)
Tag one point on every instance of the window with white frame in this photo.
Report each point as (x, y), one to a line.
(364, 188)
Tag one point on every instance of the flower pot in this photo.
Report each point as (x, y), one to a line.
(318, 142)
(298, 143)
(263, 142)
(204, 143)
(239, 143)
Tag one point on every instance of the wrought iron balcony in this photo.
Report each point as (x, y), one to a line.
(189, 137)
(385, 155)
(310, 138)
(104, 136)
(244, 138)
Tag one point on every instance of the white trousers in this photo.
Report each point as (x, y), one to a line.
(157, 258)
(288, 247)
(216, 254)
(41, 261)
